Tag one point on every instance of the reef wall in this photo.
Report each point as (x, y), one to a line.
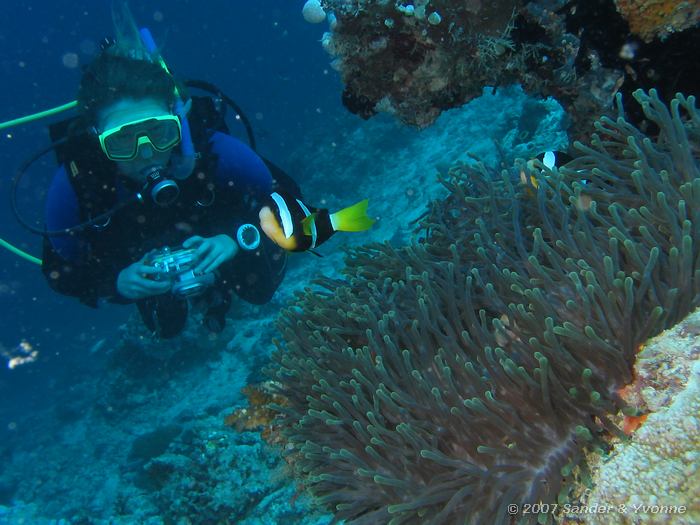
(416, 58)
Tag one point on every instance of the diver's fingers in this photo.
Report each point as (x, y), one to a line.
(142, 288)
(206, 250)
(206, 262)
(195, 240)
(150, 287)
(145, 269)
(215, 264)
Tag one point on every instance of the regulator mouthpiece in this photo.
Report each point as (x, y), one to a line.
(162, 190)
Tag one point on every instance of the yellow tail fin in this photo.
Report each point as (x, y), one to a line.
(353, 218)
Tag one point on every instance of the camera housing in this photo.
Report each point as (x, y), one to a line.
(177, 266)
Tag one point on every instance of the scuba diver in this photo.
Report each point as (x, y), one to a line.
(154, 203)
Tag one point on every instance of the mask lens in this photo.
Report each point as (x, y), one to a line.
(162, 132)
(120, 145)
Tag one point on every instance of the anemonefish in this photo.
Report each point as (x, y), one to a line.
(550, 160)
(292, 225)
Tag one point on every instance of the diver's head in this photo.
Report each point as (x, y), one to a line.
(128, 100)
(131, 103)
(137, 134)
(113, 77)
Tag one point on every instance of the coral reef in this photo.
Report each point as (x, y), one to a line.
(394, 58)
(218, 476)
(141, 439)
(662, 367)
(258, 415)
(658, 18)
(655, 477)
(473, 369)
(416, 58)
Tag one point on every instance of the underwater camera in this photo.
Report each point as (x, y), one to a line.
(178, 267)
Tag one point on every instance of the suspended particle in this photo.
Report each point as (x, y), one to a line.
(70, 60)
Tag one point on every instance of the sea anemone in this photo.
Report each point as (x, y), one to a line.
(443, 381)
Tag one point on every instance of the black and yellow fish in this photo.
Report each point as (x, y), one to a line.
(294, 226)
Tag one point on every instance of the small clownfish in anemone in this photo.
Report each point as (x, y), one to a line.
(295, 227)
(550, 160)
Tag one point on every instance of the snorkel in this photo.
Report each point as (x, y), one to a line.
(183, 161)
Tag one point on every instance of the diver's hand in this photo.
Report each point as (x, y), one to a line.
(211, 252)
(134, 282)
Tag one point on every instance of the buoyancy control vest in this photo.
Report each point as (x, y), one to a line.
(94, 177)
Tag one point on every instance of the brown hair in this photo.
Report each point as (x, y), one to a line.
(111, 77)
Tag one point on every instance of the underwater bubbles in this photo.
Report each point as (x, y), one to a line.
(88, 47)
(71, 60)
(158, 16)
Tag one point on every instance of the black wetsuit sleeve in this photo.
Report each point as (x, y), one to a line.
(68, 264)
(243, 178)
(85, 280)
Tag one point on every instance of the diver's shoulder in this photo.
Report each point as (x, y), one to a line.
(238, 163)
(225, 142)
(60, 186)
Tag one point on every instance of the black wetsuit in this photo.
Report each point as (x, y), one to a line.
(227, 188)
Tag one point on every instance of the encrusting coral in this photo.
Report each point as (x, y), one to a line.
(658, 18)
(415, 59)
(654, 477)
(444, 381)
(257, 415)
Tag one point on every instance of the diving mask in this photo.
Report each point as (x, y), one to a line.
(122, 142)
